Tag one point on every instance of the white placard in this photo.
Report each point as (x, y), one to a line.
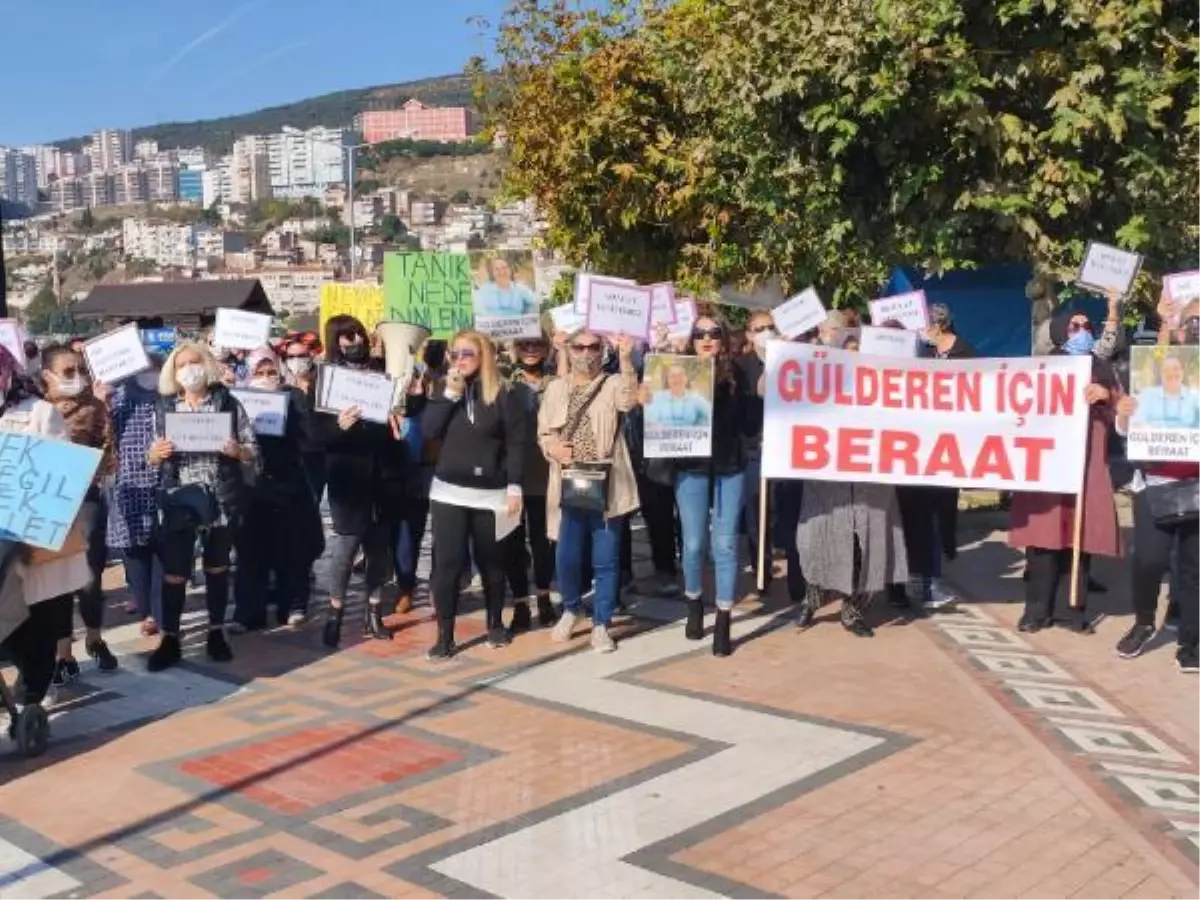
(685, 319)
(677, 406)
(339, 387)
(583, 286)
(237, 329)
(875, 341)
(994, 424)
(198, 432)
(1108, 268)
(1181, 289)
(799, 314)
(566, 319)
(267, 410)
(618, 307)
(12, 337)
(911, 310)
(662, 304)
(116, 355)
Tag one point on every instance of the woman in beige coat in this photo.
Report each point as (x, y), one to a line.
(592, 484)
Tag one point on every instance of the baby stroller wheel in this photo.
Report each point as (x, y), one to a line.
(32, 731)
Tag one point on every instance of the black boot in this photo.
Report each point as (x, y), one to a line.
(373, 623)
(722, 643)
(444, 648)
(522, 619)
(853, 610)
(166, 654)
(332, 635)
(497, 634)
(807, 610)
(695, 620)
(547, 614)
(217, 646)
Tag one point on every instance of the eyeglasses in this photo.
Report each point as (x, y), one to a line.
(530, 347)
(465, 353)
(586, 348)
(706, 334)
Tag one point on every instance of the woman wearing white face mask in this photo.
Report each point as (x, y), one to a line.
(200, 493)
(134, 501)
(300, 370)
(280, 529)
(88, 424)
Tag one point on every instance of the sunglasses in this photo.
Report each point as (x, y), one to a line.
(530, 346)
(586, 348)
(467, 353)
(706, 334)
(759, 329)
(1076, 327)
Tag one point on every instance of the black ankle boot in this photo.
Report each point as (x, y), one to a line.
(166, 654)
(373, 623)
(444, 647)
(807, 609)
(522, 619)
(332, 635)
(695, 620)
(547, 614)
(217, 646)
(722, 642)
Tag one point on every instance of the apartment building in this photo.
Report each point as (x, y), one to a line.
(163, 243)
(128, 185)
(304, 163)
(418, 122)
(18, 177)
(145, 149)
(48, 161)
(296, 291)
(66, 194)
(97, 188)
(245, 173)
(162, 182)
(191, 185)
(193, 158)
(111, 148)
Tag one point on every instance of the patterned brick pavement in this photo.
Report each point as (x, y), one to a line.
(947, 757)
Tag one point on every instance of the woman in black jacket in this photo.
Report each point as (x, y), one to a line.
(476, 493)
(708, 491)
(280, 531)
(361, 458)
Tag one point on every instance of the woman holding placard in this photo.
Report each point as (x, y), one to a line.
(708, 491)
(476, 496)
(88, 424)
(592, 483)
(201, 491)
(280, 531)
(362, 459)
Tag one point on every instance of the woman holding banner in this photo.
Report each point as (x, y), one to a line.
(708, 491)
(202, 494)
(851, 544)
(1043, 524)
(476, 495)
(362, 459)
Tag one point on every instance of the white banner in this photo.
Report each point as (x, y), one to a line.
(999, 424)
(116, 355)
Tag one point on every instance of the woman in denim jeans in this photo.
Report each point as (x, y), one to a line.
(708, 491)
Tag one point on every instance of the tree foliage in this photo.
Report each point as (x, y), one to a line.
(825, 141)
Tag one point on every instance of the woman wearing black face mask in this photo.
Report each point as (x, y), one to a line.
(361, 458)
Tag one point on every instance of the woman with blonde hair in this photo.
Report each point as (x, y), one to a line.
(200, 494)
(476, 495)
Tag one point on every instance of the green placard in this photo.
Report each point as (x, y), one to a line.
(430, 289)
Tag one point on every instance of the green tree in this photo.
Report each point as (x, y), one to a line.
(825, 141)
(391, 227)
(212, 215)
(87, 221)
(461, 196)
(42, 311)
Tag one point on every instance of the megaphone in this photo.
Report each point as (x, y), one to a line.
(401, 341)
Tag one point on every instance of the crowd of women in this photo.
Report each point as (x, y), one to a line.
(529, 466)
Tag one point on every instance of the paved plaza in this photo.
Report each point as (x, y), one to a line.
(948, 756)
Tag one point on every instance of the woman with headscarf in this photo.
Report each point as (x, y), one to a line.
(66, 386)
(133, 506)
(202, 495)
(1043, 524)
(51, 578)
(280, 531)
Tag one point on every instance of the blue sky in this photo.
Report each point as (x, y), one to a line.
(73, 66)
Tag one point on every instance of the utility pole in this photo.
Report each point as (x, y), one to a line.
(350, 148)
(3, 271)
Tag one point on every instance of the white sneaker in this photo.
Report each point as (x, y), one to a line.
(939, 596)
(565, 626)
(296, 619)
(602, 641)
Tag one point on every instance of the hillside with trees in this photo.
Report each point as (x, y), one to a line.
(330, 110)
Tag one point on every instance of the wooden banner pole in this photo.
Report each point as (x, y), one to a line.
(762, 535)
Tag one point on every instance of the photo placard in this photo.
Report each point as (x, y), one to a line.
(677, 406)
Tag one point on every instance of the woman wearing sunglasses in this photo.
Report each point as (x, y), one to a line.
(592, 485)
(476, 494)
(708, 491)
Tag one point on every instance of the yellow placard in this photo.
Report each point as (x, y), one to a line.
(363, 301)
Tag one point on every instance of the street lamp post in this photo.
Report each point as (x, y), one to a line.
(350, 148)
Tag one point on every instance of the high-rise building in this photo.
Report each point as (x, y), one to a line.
(145, 149)
(96, 189)
(210, 187)
(193, 158)
(74, 164)
(18, 177)
(128, 185)
(49, 162)
(304, 163)
(162, 182)
(245, 173)
(66, 194)
(111, 148)
(416, 121)
(191, 185)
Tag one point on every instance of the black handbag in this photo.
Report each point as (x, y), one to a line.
(584, 485)
(186, 507)
(1174, 502)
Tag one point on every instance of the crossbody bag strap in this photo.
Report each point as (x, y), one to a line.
(568, 431)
